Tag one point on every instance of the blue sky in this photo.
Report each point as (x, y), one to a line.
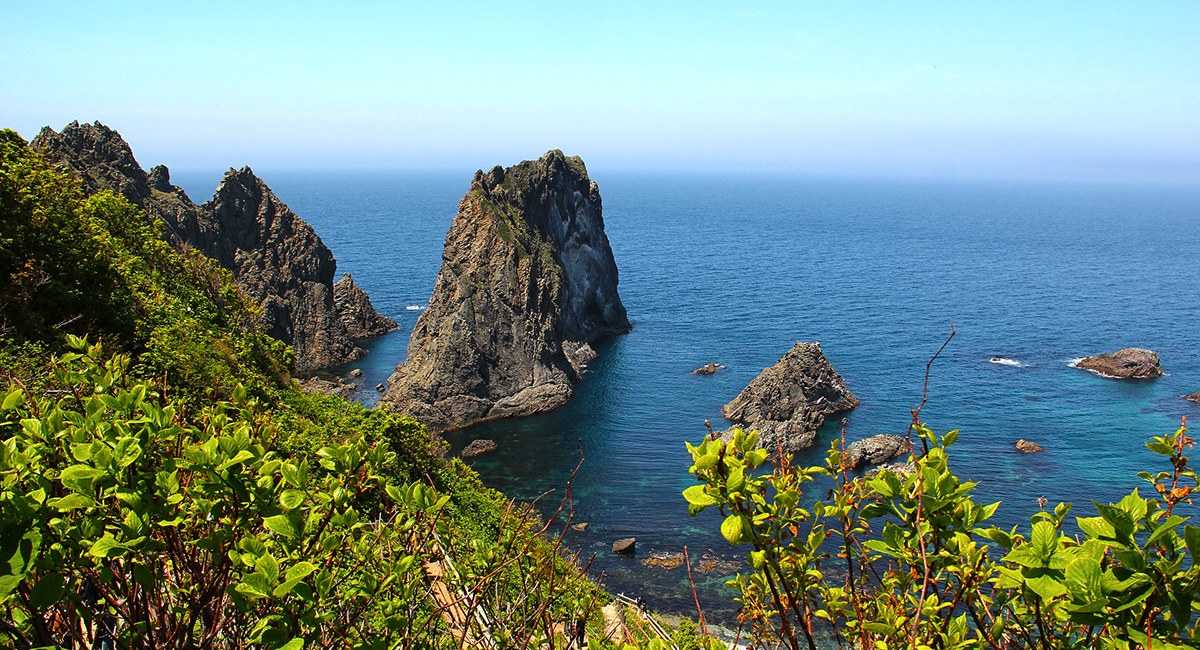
(1097, 91)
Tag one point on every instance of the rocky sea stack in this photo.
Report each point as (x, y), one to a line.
(527, 283)
(279, 262)
(788, 402)
(1130, 363)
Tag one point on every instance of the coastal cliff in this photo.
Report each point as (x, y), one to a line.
(527, 283)
(788, 402)
(276, 258)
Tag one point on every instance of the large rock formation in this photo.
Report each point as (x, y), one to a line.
(1124, 364)
(276, 258)
(788, 402)
(527, 283)
(356, 313)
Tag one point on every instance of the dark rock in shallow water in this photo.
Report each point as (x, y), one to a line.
(527, 283)
(876, 449)
(707, 369)
(580, 527)
(478, 447)
(1130, 363)
(354, 309)
(356, 373)
(380, 387)
(1025, 446)
(788, 402)
(1195, 397)
(320, 386)
(276, 258)
(624, 546)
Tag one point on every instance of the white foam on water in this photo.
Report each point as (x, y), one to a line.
(415, 307)
(1005, 361)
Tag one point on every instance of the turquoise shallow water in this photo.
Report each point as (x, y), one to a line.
(736, 269)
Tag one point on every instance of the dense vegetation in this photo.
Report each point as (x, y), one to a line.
(907, 560)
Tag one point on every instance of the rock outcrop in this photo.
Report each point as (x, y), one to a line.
(321, 386)
(355, 311)
(1028, 446)
(1195, 397)
(788, 402)
(625, 546)
(527, 283)
(1130, 363)
(876, 449)
(477, 447)
(707, 369)
(279, 262)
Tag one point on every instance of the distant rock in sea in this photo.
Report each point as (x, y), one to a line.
(707, 369)
(527, 283)
(788, 402)
(1195, 397)
(1028, 447)
(276, 258)
(1130, 363)
(876, 449)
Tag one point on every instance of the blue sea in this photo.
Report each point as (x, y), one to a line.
(735, 269)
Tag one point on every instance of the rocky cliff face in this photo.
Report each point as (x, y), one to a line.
(527, 283)
(1130, 363)
(356, 313)
(788, 402)
(277, 258)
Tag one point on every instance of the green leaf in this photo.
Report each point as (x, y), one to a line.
(291, 499)
(732, 528)
(1165, 528)
(737, 479)
(15, 398)
(105, 547)
(706, 461)
(295, 644)
(281, 524)
(300, 570)
(1083, 578)
(1046, 587)
(696, 495)
(268, 566)
(1191, 537)
(71, 502)
(241, 457)
(47, 591)
(254, 585)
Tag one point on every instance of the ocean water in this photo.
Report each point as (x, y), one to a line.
(735, 269)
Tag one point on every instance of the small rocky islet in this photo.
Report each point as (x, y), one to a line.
(1130, 363)
(788, 402)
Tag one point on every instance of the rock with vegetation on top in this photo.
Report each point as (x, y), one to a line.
(276, 258)
(788, 402)
(624, 546)
(1130, 363)
(900, 469)
(876, 449)
(1027, 446)
(355, 311)
(707, 369)
(527, 283)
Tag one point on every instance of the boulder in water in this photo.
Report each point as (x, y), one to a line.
(788, 402)
(624, 546)
(1130, 363)
(478, 447)
(707, 369)
(1028, 447)
(876, 449)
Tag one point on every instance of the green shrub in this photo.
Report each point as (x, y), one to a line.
(922, 569)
